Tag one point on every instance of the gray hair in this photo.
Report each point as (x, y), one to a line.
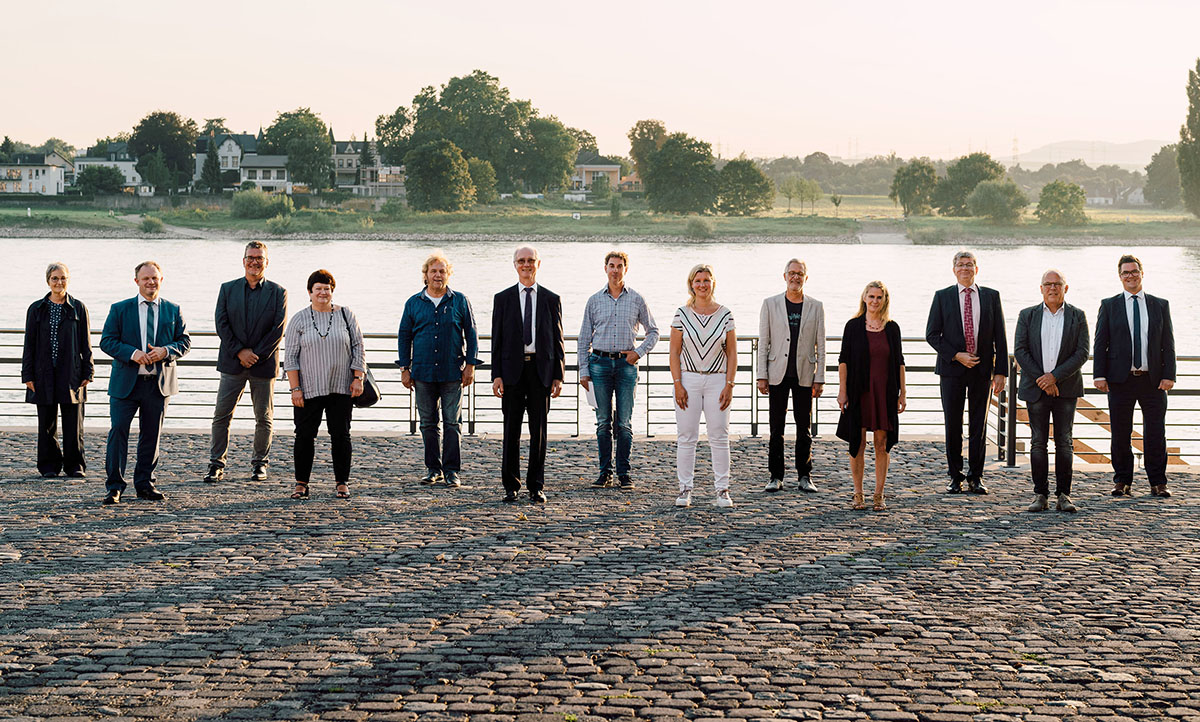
(1059, 273)
(788, 265)
(256, 244)
(965, 254)
(56, 266)
(536, 255)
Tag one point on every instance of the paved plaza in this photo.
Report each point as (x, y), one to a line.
(231, 601)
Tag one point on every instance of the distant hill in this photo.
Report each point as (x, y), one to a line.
(1130, 156)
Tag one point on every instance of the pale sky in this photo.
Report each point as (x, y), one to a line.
(853, 79)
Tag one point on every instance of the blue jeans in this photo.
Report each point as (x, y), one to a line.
(613, 376)
(440, 455)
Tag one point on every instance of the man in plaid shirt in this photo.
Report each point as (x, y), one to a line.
(608, 356)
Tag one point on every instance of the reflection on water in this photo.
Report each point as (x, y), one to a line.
(375, 277)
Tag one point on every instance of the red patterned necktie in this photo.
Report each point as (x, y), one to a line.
(969, 322)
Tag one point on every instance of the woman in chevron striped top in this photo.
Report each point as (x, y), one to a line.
(703, 364)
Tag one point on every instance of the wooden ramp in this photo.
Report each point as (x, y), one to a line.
(1099, 417)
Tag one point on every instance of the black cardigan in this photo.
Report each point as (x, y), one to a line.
(856, 354)
(61, 384)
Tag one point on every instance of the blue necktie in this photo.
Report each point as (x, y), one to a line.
(528, 320)
(1137, 334)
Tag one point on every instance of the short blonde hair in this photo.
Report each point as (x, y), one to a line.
(436, 257)
(700, 268)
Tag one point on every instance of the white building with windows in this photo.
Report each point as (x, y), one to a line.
(116, 156)
(33, 173)
(231, 148)
(267, 173)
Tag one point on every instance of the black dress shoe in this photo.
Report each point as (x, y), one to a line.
(537, 497)
(49, 474)
(1160, 491)
(114, 497)
(510, 497)
(975, 486)
(79, 474)
(1122, 490)
(151, 495)
(955, 486)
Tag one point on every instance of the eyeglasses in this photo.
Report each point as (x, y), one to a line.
(795, 274)
(1130, 274)
(59, 278)
(254, 259)
(963, 265)
(1053, 284)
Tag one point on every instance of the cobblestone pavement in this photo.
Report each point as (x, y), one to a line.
(232, 602)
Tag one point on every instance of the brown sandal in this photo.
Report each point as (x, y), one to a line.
(858, 502)
(879, 505)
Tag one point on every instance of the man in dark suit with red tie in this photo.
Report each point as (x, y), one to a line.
(1134, 363)
(527, 370)
(966, 329)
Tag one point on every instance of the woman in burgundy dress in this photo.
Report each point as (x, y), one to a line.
(871, 389)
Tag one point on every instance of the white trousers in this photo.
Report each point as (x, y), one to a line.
(703, 392)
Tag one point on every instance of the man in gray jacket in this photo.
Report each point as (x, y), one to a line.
(791, 362)
(249, 317)
(1051, 348)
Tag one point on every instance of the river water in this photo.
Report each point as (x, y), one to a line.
(375, 277)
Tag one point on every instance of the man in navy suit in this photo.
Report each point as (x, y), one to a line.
(966, 328)
(1134, 363)
(1051, 347)
(527, 370)
(145, 335)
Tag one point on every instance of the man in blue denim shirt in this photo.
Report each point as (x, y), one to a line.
(608, 358)
(438, 354)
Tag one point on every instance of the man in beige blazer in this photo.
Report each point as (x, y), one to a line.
(791, 361)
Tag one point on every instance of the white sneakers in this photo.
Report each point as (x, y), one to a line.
(722, 501)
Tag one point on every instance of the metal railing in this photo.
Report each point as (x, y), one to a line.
(654, 406)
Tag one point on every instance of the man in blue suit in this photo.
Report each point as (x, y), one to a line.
(1134, 363)
(145, 335)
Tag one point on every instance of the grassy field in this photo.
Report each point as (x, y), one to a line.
(551, 218)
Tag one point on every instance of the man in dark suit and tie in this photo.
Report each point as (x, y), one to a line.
(1134, 363)
(250, 315)
(527, 370)
(145, 335)
(966, 328)
(1051, 347)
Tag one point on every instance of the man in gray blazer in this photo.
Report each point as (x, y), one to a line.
(249, 317)
(791, 361)
(1051, 347)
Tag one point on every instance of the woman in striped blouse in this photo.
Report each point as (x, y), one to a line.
(323, 358)
(703, 364)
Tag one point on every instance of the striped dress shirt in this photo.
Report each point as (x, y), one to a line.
(326, 347)
(610, 324)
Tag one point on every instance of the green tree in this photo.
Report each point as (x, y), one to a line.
(7, 148)
(214, 126)
(1189, 145)
(645, 138)
(836, 200)
(210, 174)
(547, 154)
(601, 188)
(1162, 187)
(438, 178)
(913, 186)
(792, 187)
(98, 179)
(810, 191)
(100, 149)
(1000, 200)
(366, 159)
(586, 140)
(950, 195)
(478, 115)
(56, 144)
(174, 137)
(392, 133)
(680, 176)
(743, 189)
(625, 163)
(154, 170)
(310, 160)
(483, 177)
(298, 123)
(1061, 204)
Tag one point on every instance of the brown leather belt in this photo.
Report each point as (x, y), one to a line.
(1138, 373)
